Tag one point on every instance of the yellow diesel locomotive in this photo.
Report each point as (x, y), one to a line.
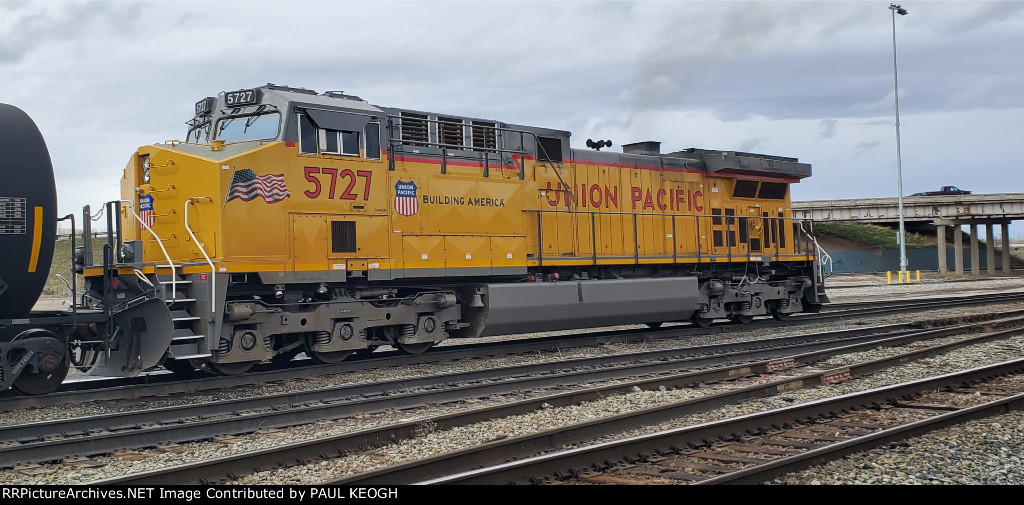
(293, 221)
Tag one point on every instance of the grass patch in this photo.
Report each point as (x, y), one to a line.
(880, 237)
(62, 265)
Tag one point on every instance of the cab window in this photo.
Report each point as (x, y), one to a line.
(314, 140)
(339, 142)
(372, 149)
(199, 134)
(307, 135)
(243, 128)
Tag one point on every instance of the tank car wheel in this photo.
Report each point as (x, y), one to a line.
(654, 325)
(419, 348)
(702, 322)
(233, 368)
(52, 370)
(43, 382)
(738, 319)
(329, 358)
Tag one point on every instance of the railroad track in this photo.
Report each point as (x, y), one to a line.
(162, 384)
(60, 438)
(62, 435)
(756, 448)
(790, 367)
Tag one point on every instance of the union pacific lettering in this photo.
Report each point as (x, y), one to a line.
(598, 196)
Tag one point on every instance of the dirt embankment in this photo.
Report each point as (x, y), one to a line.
(830, 243)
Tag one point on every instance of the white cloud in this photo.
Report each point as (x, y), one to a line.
(101, 78)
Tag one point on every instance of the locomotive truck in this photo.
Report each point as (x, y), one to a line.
(290, 221)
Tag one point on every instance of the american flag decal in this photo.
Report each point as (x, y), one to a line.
(146, 211)
(246, 186)
(405, 198)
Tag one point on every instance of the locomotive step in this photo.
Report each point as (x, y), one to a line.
(186, 339)
(184, 335)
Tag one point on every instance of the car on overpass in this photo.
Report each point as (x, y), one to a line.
(946, 190)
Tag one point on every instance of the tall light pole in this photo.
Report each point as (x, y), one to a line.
(896, 9)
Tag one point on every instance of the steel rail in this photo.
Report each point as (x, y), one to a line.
(761, 473)
(49, 440)
(224, 467)
(533, 469)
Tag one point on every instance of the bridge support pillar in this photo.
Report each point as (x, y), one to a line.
(1005, 228)
(990, 249)
(940, 232)
(975, 257)
(958, 249)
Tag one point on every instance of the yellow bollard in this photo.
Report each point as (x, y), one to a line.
(901, 276)
(918, 276)
(888, 276)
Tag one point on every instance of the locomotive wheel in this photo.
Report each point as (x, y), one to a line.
(780, 316)
(329, 358)
(702, 322)
(654, 325)
(419, 348)
(741, 319)
(43, 382)
(233, 368)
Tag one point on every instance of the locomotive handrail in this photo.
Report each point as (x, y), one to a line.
(646, 214)
(142, 277)
(393, 140)
(547, 160)
(775, 226)
(213, 269)
(156, 269)
(485, 150)
(823, 257)
(497, 150)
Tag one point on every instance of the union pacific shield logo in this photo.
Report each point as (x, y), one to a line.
(146, 211)
(405, 198)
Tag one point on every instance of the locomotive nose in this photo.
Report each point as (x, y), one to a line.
(28, 212)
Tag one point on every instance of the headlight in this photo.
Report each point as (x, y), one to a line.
(145, 168)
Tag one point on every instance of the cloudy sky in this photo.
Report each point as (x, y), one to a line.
(807, 79)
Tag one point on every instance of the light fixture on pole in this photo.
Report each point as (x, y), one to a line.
(897, 9)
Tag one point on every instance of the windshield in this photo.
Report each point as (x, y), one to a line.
(241, 128)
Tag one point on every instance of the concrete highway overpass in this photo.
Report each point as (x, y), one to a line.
(940, 212)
